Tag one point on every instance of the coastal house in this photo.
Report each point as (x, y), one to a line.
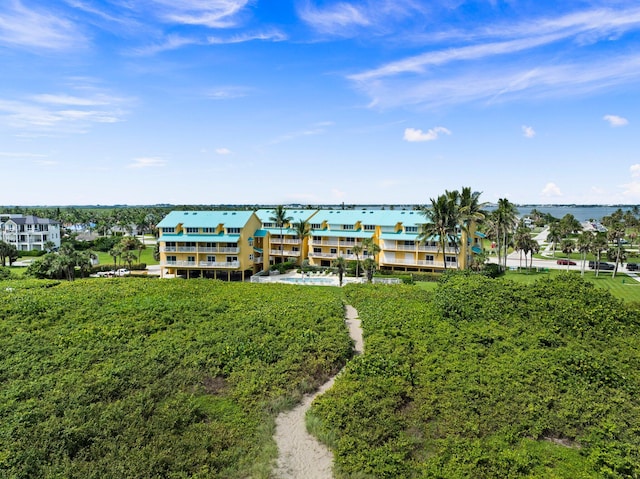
(29, 233)
(209, 244)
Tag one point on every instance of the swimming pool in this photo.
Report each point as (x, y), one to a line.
(311, 281)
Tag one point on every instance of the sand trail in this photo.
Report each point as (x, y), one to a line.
(301, 456)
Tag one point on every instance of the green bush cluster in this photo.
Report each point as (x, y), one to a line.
(485, 378)
(148, 379)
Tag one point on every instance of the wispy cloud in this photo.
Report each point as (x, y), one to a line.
(631, 190)
(227, 92)
(528, 131)
(211, 13)
(267, 36)
(37, 28)
(62, 113)
(346, 19)
(147, 162)
(316, 129)
(223, 151)
(615, 120)
(550, 190)
(413, 135)
(490, 64)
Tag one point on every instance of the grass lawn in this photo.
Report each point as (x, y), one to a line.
(145, 257)
(622, 286)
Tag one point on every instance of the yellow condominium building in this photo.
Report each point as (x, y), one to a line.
(284, 244)
(342, 233)
(210, 244)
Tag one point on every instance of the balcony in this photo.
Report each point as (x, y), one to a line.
(169, 249)
(186, 249)
(277, 252)
(285, 241)
(219, 264)
(323, 255)
(179, 263)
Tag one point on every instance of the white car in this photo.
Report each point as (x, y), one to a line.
(123, 272)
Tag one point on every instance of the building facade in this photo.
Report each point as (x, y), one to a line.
(234, 244)
(29, 233)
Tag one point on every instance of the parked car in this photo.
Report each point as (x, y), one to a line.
(632, 266)
(566, 262)
(123, 272)
(602, 266)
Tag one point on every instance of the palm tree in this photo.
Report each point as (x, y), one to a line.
(470, 212)
(554, 237)
(357, 249)
(533, 247)
(303, 230)
(505, 220)
(598, 245)
(567, 247)
(584, 246)
(369, 266)
(521, 240)
(280, 218)
(341, 265)
(442, 219)
(371, 247)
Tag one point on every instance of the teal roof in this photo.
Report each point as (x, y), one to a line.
(476, 249)
(371, 217)
(260, 233)
(296, 214)
(399, 236)
(200, 238)
(343, 233)
(285, 231)
(480, 234)
(206, 219)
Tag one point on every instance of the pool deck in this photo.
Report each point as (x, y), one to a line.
(307, 279)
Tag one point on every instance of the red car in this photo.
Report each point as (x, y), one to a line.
(566, 261)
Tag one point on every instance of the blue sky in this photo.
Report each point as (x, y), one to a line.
(308, 101)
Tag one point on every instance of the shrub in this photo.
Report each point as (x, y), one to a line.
(5, 273)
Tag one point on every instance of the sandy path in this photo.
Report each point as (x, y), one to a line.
(301, 455)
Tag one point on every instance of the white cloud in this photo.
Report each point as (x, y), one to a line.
(412, 134)
(147, 162)
(60, 113)
(463, 74)
(635, 170)
(615, 120)
(223, 151)
(227, 92)
(551, 190)
(271, 36)
(36, 28)
(528, 131)
(335, 18)
(209, 13)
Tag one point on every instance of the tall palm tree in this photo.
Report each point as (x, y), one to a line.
(280, 218)
(533, 247)
(584, 246)
(554, 236)
(505, 220)
(341, 265)
(522, 240)
(303, 230)
(470, 212)
(442, 218)
(567, 247)
(357, 249)
(598, 245)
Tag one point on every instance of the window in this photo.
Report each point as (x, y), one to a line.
(334, 251)
(208, 230)
(451, 259)
(168, 230)
(191, 259)
(409, 243)
(295, 248)
(350, 240)
(211, 259)
(250, 241)
(269, 225)
(171, 258)
(232, 259)
(250, 257)
(316, 226)
(233, 231)
(192, 230)
(347, 227)
(429, 257)
(411, 229)
(317, 238)
(190, 244)
(317, 250)
(369, 227)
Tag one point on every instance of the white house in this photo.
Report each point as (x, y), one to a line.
(29, 232)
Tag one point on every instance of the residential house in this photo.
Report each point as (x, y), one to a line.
(29, 233)
(284, 244)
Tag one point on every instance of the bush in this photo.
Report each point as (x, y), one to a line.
(105, 243)
(282, 267)
(5, 273)
(492, 270)
(34, 253)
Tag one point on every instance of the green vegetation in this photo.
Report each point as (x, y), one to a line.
(487, 378)
(148, 379)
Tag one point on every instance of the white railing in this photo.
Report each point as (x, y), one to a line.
(169, 249)
(258, 259)
(179, 263)
(324, 243)
(228, 250)
(277, 252)
(285, 241)
(323, 255)
(186, 249)
(220, 264)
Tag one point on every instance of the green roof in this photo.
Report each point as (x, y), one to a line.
(206, 219)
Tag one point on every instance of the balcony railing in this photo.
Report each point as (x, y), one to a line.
(323, 255)
(277, 252)
(219, 264)
(199, 249)
(285, 241)
(186, 249)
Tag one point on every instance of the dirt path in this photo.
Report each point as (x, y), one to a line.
(301, 455)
